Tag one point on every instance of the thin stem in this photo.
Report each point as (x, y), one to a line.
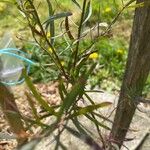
(79, 33)
(116, 18)
(46, 39)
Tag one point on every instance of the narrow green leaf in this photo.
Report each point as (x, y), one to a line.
(34, 122)
(31, 103)
(59, 143)
(37, 95)
(77, 124)
(77, 90)
(142, 4)
(89, 98)
(81, 128)
(58, 16)
(62, 89)
(102, 117)
(51, 24)
(97, 122)
(90, 108)
(88, 12)
(76, 3)
(80, 66)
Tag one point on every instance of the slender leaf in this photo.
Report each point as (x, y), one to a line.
(68, 29)
(62, 89)
(58, 16)
(89, 98)
(102, 117)
(76, 3)
(77, 90)
(90, 108)
(59, 143)
(97, 122)
(37, 95)
(88, 12)
(81, 128)
(31, 103)
(52, 25)
(34, 122)
(61, 92)
(78, 125)
(137, 5)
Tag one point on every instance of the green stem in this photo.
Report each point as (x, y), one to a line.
(49, 44)
(79, 33)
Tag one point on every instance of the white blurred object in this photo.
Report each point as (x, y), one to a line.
(10, 67)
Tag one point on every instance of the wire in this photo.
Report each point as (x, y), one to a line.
(10, 51)
(7, 51)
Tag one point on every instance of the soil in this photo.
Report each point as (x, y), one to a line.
(139, 127)
(50, 94)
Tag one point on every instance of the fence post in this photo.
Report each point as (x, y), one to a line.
(136, 73)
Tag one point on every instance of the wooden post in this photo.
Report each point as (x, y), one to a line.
(136, 73)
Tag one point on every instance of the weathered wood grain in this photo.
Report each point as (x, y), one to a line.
(137, 70)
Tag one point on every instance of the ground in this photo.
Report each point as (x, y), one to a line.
(139, 128)
(50, 93)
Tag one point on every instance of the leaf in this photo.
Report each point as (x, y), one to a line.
(77, 124)
(88, 12)
(50, 8)
(52, 25)
(68, 29)
(62, 90)
(34, 122)
(58, 16)
(37, 95)
(77, 90)
(76, 3)
(97, 122)
(31, 103)
(90, 108)
(89, 98)
(50, 22)
(80, 65)
(8, 1)
(103, 117)
(142, 4)
(59, 142)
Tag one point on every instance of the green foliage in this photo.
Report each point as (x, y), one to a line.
(112, 58)
(112, 61)
(68, 52)
(73, 74)
(37, 96)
